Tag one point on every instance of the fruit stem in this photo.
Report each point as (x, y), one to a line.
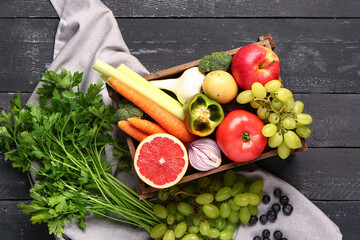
(261, 66)
(246, 137)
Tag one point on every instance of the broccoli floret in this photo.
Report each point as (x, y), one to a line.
(126, 110)
(215, 61)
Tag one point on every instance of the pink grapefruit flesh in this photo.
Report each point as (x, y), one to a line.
(161, 160)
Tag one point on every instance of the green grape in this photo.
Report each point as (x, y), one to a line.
(256, 186)
(260, 195)
(171, 207)
(204, 198)
(169, 235)
(204, 182)
(220, 223)
(289, 105)
(229, 226)
(180, 229)
(292, 140)
(240, 178)
(246, 188)
(158, 231)
(163, 194)
(262, 112)
(254, 210)
(244, 214)
(189, 188)
(274, 118)
(303, 131)
(170, 219)
(241, 199)
(233, 217)
(194, 229)
(204, 228)
(215, 185)
(225, 209)
(283, 150)
(179, 217)
(226, 234)
(223, 194)
(255, 104)
(245, 97)
(214, 233)
(229, 178)
(304, 118)
(253, 198)
(174, 189)
(276, 104)
(184, 208)
(275, 140)
(269, 130)
(160, 211)
(272, 86)
(285, 115)
(289, 123)
(233, 205)
(284, 94)
(299, 107)
(211, 211)
(258, 90)
(190, 236)
(238, 187)
(196, 221)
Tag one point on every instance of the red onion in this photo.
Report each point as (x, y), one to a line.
(204, 154)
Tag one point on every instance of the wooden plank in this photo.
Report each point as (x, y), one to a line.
(320, 173)
(306, 62)
(198, 8)
(16, 225)
(345, 214)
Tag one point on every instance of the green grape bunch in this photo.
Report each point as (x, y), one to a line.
(285, 122)
(210, 208)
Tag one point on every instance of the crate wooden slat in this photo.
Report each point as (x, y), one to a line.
(146, 191)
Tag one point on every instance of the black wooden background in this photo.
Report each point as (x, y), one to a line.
(319, 49)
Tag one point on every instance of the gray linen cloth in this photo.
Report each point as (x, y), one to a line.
(88, 31)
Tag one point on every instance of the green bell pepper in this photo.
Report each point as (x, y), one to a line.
(202, 115)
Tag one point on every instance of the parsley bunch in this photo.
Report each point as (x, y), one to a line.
(63, 142)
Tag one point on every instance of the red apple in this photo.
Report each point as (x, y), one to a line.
(254, 63)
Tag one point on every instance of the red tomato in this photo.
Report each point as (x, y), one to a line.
(239, 136)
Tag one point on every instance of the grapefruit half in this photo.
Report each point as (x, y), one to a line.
(161, 160)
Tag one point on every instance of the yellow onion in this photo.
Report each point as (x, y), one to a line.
(204, 154)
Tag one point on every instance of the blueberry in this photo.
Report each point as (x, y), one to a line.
(263, 219)
(257, 238)
(266, 233)
(272, 216)
(278, 234)
(276, 207)
(277, 192)
(253, 220)
(266, 199)
(284, 239)
(266, 238)
(288, 209)
(284, 200)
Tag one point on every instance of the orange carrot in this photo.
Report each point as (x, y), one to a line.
(173, 125)
(146, 126)
(132, 131)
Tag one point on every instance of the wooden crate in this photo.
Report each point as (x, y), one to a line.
(146, 191)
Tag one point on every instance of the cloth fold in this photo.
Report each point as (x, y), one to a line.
(88, 31)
